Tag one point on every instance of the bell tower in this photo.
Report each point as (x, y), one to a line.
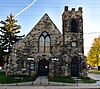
(72, 29)
(73, 47)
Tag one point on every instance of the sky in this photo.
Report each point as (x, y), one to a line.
(35, 9)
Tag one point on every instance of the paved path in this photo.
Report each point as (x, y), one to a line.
(42, 80)
(96, 77)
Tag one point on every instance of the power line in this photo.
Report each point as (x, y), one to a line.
(48, 5)
(19, 6)
(39, 15)
(93, 33)
(89, 3)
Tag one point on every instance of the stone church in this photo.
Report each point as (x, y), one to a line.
(46, 51)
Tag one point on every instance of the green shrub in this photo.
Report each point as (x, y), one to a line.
(2, 72)
(14, 78)
(67, 76)
(89, 81)
(66, 79)
(84, 77)
(87, 77)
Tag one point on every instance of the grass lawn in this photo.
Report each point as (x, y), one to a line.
(89, 81)
(94, 71)
(14, 78)
(86, 79)
(66, 79)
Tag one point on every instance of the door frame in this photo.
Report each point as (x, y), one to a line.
(74, 67)
(43, 67)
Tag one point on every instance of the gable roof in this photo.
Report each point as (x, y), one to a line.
(46, 15)
(45, 20)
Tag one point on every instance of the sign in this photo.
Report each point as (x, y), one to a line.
(32, 67)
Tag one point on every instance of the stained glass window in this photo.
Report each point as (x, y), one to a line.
(44, 43)
(41, 45)
(47, 44)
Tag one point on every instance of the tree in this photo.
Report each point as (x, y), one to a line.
(93, 58)
(8, 35)
(1, 57)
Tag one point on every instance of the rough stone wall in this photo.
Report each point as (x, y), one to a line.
(45, 24)
(28, 47)
(70, 36)
(60, 44)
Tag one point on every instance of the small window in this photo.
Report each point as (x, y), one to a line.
(44, 34)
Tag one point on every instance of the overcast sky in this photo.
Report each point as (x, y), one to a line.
(54, 8)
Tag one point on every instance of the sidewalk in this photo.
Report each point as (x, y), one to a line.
(51, 85)
(80, 86)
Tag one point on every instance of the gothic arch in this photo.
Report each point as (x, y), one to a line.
(44, 42)
(74, 67)
(74, 25)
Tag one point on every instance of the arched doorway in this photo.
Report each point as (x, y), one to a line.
(43, 68)
(74, 67)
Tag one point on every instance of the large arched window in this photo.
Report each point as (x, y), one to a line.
(73, 25)
(44, 43)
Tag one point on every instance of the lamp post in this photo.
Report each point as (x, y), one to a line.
(55, 59)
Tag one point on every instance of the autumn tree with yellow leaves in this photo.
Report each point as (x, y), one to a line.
(8, 35)
(93, 57)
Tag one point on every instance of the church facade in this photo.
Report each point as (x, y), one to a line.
(46, 51)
